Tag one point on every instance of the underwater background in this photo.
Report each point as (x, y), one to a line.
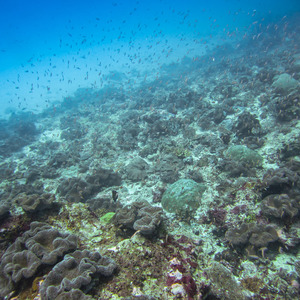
(149, 149)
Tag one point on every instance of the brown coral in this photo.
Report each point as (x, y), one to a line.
(280, 206)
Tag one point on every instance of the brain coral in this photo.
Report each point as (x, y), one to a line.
(76, 271)
(183, 196)
(243, 154)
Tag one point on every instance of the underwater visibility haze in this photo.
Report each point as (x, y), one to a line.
(149, 149)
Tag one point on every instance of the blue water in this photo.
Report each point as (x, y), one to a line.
(48, 49)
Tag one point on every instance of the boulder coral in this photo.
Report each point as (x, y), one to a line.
(183, 197)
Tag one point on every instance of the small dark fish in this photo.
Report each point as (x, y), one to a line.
(115, 195)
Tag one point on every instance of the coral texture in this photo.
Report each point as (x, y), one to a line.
(139, 216)
(41, 245)
(183, 196)
(76, 271)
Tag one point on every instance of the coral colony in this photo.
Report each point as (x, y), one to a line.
(173, 190)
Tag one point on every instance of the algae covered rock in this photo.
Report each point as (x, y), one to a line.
(183, 196)
(244, 155)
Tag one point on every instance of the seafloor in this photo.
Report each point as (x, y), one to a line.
(97, 173)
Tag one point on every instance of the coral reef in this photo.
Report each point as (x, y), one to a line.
(210, 141)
